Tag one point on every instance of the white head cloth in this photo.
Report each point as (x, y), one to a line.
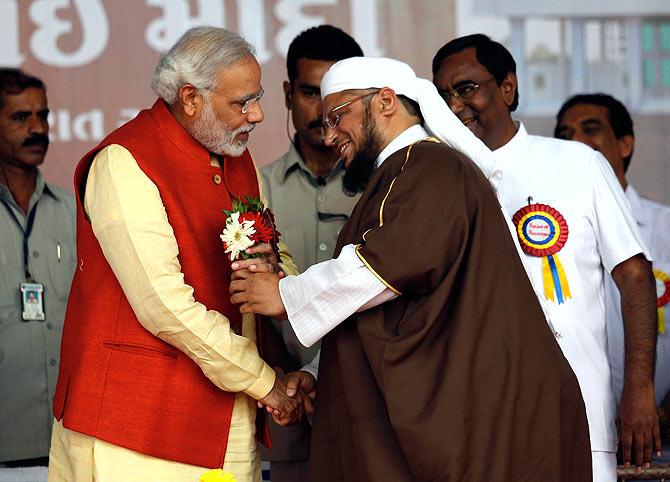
(369, 72)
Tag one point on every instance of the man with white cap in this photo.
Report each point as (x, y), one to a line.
(438, 363)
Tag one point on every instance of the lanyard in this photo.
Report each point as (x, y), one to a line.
(26, 234)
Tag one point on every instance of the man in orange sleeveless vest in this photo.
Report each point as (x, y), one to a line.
(160, 374)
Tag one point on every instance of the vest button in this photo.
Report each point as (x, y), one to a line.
(216, 179)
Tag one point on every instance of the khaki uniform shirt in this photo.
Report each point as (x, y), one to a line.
(30, 350)
(310, 213)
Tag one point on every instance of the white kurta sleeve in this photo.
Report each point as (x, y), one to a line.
(325, 295)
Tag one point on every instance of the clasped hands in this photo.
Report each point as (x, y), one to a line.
(255, 287)
(291, 397)
(255, 284)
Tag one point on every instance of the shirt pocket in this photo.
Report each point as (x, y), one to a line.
(62, 262)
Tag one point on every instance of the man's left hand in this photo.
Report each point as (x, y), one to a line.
(639, 430)
(267, 263)
(258, 293)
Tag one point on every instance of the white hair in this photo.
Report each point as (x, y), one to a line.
(196, 59)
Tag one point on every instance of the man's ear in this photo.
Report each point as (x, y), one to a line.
(190, 99)
(508, 88)
(288, 94)
(389, 101)
(626, 144)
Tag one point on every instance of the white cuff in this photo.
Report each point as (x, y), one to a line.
(325, 295)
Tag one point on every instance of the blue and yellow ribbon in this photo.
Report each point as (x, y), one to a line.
(555, 280)
(542, 232)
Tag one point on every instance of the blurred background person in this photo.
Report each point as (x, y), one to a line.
(603, 123)
(304, 189)
(37, 260)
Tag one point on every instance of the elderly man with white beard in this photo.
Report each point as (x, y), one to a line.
(160, 374)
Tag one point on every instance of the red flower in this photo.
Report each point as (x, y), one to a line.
(263, 229)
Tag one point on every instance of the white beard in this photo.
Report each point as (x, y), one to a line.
(215, 135)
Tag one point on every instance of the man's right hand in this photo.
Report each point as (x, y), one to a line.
(258, 293)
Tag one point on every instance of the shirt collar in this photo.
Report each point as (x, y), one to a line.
(177, 134)
(292, 160)
(406, 138)
(517, 146)
(41, 187)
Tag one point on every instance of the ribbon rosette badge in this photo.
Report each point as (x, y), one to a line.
(543, 232)
(662, 297)
(249, 223)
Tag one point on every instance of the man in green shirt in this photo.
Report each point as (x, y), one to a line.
(304, 189)
(37, 260)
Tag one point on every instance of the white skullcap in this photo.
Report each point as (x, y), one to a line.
(369, 73)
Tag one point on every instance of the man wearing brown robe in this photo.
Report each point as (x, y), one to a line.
(440, 365)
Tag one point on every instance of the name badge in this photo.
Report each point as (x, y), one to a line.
(32, 301)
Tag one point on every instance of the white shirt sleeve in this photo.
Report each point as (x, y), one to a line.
(617, 232)
(325, 295)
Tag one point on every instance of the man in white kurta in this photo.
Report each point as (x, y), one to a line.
(574, 225)
(577, 182)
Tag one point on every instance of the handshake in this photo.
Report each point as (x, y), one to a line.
(291, 397)
(255, 287)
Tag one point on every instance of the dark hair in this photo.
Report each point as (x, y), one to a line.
(491, 54)
(412, 107)
(15, 81)
(617, 114)
(324, 42)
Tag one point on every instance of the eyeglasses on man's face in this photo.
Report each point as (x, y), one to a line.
(464, 90)
(333, 117)
(244, 103)
(249, 101)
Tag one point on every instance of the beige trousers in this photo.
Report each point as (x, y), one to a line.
(75, 457)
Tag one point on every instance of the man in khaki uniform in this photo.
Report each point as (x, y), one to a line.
(304, 189)
(36, 265)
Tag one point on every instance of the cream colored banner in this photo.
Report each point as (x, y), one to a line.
(97, 57)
